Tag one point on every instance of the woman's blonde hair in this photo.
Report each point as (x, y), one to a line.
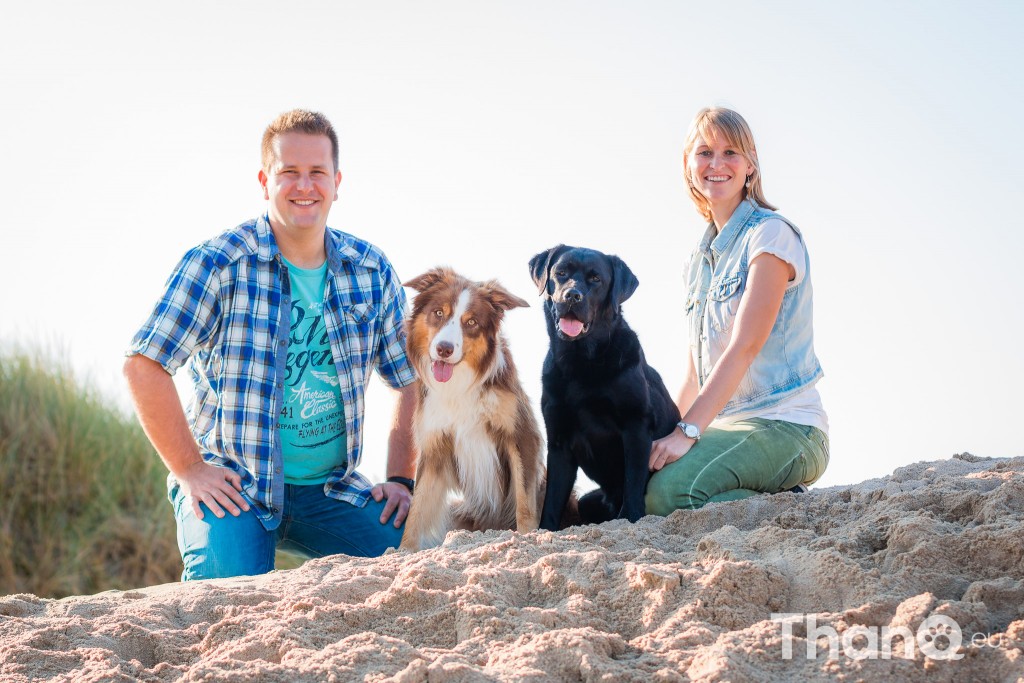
(713, 123)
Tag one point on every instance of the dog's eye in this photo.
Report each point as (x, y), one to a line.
(471, 322)
(559, 273)
(439, 313)
(595, 278)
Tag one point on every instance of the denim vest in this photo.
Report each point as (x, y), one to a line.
(716, 279)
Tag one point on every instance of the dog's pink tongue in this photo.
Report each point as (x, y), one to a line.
(442, 371)
(570, 326)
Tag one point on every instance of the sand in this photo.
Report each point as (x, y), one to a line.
(934, 551)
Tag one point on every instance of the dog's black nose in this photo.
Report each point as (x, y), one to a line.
(445, 349)
(573, 296)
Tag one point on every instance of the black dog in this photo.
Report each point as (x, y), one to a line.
(603, 405)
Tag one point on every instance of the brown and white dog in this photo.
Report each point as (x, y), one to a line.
(475, 429)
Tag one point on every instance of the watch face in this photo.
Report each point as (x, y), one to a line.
(691, 431)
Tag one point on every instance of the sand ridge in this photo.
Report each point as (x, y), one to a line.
(689, 597)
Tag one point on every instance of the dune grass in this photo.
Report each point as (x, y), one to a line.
(82, 507)
(83, 495)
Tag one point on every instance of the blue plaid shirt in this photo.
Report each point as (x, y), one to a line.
(226, 311)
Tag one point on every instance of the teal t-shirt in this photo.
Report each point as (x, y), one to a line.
(312, 422)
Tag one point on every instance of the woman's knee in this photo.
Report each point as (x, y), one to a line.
(665, 494)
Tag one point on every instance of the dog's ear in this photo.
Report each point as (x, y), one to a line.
(624, 283)
(541, 264)
(422, 283)
(501, 298)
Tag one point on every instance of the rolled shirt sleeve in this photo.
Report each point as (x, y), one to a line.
(392, 363)
(185, 317)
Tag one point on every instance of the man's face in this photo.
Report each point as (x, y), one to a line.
(301, 183)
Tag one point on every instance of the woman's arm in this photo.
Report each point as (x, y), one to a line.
(691, 386)
(766, 285)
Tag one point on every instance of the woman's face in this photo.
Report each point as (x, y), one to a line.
(718, 170)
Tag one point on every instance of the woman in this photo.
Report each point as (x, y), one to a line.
(752, 420)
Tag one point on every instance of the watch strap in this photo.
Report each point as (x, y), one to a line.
(404, 481)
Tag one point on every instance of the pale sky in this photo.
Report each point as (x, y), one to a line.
(477, 134)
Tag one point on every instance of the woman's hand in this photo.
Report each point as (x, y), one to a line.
(669, 449)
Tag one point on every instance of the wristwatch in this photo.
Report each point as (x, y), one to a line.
(691, 431)
(404, 481)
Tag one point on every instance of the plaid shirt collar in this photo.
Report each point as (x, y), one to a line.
(338, 248)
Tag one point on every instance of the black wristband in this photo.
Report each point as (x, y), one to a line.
(404, 481)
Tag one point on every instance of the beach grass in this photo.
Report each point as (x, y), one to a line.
(83, 495)
(82, 508)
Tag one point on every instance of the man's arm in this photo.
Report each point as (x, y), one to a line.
(401, 459)
(159, 410)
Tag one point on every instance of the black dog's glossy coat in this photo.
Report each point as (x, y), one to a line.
(602, 404)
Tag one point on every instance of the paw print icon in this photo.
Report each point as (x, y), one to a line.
(940, 637)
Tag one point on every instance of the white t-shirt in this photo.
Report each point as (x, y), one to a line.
(775, 237)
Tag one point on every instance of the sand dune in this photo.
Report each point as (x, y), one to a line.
(934, 552)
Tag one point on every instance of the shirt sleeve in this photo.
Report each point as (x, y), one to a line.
(776, 237)
(392, 363)
(185, 317)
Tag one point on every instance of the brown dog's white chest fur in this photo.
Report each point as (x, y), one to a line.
(474, 427)
(464, 414)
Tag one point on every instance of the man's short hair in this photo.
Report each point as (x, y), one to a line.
(298, 121)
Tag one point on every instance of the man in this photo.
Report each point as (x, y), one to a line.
(282, 319)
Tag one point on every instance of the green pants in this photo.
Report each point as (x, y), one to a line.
(739, 460)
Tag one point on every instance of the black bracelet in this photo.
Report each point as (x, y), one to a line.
(404, 481)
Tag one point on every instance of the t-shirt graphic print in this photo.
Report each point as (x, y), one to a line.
(311, 426)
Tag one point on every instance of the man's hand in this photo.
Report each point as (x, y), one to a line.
(398, 501)
(669, 449)
(401, 459)
(217, 487)
(160, 414)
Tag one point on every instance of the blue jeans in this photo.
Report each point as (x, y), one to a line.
(739, 460)
(313, 525)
